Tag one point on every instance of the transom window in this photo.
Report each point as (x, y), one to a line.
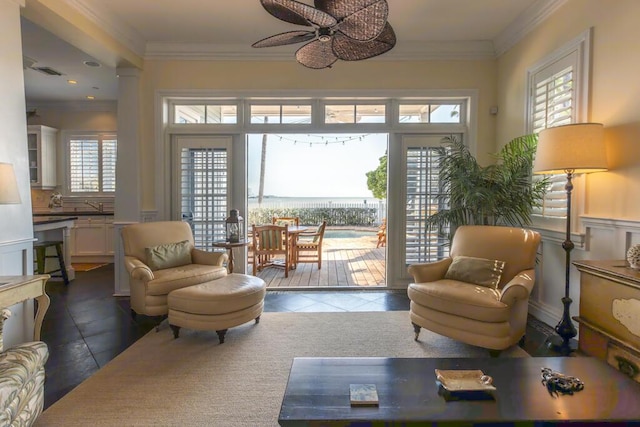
(213, 114)
(430, 113)
(281, 114)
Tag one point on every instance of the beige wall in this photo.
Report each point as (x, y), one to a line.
(271, 77)
(615, 92)
(64, 119)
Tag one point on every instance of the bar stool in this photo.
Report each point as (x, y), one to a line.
(41, 257)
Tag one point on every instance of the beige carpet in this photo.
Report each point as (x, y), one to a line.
(194, 381)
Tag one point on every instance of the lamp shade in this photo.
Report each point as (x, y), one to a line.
(578, 148)
(9, 193)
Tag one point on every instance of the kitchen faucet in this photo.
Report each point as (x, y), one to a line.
(99, 207)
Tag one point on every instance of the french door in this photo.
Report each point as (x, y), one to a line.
(201, 167)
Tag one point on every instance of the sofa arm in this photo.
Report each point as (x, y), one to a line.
(209, 258)
(137, 269)
(519, 287)
(430, 271)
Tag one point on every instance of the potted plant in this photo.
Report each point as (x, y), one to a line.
(499, 194)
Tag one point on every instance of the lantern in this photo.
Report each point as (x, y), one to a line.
(235, 227)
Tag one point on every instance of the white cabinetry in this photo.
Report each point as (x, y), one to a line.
(92, 239)
(42, 156)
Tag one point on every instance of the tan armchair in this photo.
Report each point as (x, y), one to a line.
(151, 285)
(493, 317)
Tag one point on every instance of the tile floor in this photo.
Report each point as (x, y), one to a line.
(85, 326)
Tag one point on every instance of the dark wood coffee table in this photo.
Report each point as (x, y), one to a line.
(317, 393)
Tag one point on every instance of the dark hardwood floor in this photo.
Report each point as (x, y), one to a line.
(85, 326)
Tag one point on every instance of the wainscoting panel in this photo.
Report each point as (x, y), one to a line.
(603, 238)
(16, 259)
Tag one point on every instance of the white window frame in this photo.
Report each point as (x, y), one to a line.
(577, 52)
(100, 136)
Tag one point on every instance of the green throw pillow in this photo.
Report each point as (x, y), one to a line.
(479, 271)
(168, 255)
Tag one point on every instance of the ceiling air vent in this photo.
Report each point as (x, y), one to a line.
(48, 70)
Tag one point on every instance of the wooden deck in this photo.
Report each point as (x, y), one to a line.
(345, 263)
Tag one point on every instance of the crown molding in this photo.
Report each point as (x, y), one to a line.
(21, 3)
(407, 51)
(533, 16)
(112, 24)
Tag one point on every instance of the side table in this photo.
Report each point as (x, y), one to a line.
(229, 246)
(15, 289)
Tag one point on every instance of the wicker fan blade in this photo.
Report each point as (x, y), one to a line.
(348, 49)
(359, 19)
(290, 37)
(316, 54)
(298, 13)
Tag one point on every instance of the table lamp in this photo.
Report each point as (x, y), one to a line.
(571, 149)
(9, 192)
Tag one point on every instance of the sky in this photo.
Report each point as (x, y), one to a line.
(315, 165)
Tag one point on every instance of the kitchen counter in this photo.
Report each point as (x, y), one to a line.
(50, 228)
(42, 220)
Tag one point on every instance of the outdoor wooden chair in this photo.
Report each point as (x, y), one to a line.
(308, 246)
(382, 234)
(270, 247)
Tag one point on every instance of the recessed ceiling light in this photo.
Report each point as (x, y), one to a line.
(92, 64)
(72, 82)
(91, 97)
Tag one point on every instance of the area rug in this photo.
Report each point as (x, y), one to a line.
(194, 381)
(87, 266)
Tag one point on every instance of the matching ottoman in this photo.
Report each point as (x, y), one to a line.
(217, 305)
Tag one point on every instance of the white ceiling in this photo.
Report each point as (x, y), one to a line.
(226, 30)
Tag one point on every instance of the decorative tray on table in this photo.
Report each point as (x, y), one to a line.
(460, 380)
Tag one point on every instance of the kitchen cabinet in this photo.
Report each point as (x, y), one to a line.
(42, 142)
(92, 239)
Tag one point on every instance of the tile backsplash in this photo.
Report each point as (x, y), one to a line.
(40, 201)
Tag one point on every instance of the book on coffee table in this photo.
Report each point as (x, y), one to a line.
(363, 394)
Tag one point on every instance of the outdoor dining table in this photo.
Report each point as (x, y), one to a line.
(294, 231)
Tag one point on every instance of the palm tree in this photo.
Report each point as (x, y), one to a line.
(499, 194)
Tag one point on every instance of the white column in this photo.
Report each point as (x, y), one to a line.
(128, 182)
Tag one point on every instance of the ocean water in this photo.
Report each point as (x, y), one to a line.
(306, 201)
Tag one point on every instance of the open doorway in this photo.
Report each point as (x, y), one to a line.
(337, 178)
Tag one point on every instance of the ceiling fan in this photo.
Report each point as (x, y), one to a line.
(350, 30)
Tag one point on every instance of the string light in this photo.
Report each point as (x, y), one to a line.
(322, 139)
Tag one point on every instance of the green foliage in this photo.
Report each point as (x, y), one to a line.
(377, 179)
(335, 216)
(498, 194)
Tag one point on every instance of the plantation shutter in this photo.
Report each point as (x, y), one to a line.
(109, 154)
(422, 191)
(553, 104)
(92, 164)
(84, 165)
(203, 189)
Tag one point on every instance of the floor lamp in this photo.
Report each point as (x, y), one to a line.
(571, 149)
(9, 192)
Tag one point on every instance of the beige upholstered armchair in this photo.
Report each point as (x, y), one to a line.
(160, 257)
(21, 380)
(480, 294)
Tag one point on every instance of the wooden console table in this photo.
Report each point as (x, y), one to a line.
(609, 320)
(16, 289)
